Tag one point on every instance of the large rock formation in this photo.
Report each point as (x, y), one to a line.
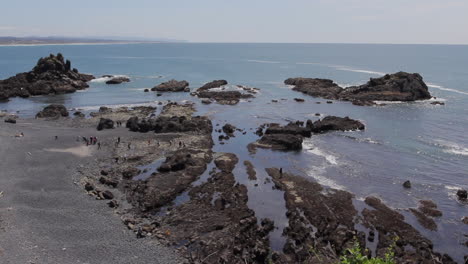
(400, 86)
(172, 86)
(174, 124)
(334, 123)
(213, 84)
(290, 136)
(315, 87)
(51, 75)
(53, 111)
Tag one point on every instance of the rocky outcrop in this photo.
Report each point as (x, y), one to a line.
(224, 97)
(213, 84)
(166, 124)
(172, 86)
(293, 128)
(334, 123)
(53, 111)
(281, 142)
(323, 88)
(118, 80)
(400, 86)
(105, 123)
(51, 75)
(290, 136)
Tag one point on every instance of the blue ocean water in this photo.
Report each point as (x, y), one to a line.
(424, 143)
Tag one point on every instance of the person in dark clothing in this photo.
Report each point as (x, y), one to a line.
(129, 145)
(118, 140)
(99, 145)
(56, 137)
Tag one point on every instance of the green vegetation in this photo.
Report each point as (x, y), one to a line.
(354, 256)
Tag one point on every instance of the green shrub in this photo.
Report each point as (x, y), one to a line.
(354, 256)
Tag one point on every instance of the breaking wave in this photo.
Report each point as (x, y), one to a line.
(446, 89)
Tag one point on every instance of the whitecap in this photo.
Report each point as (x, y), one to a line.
(350, 69)
(264, 61)
(105, 79)
(311, 148)
(452, 148)
(439, 87)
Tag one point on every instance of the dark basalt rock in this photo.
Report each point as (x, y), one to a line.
(462, 195)
(281, 141)
(315, 87)
(51, 75)
(224, 97)
(105, 123)
(179, 161)
(118, 80)
(400, 86)
(334, 123)
(53, 111)
(291, 128)
(229, 129)
(213, 84)
(174, 124)
(172, 86)
(407, 184)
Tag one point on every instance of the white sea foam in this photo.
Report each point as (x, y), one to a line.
(446, 89)
(452, 148)
(96, 107)
(346, 68)
(105, 79)
(264, 61)
(311, 148)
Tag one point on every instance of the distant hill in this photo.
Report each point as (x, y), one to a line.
(76, 40)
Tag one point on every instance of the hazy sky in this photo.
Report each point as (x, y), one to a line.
(349, 21)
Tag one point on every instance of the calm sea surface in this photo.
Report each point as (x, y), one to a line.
(421, 142)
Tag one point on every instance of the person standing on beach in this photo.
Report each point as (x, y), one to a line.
(129, 145)
(99, 145)
(56, 137)
(118, 140)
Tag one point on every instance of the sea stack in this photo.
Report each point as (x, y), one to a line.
(51, 75)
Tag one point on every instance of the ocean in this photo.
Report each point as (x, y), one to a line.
(420, 142)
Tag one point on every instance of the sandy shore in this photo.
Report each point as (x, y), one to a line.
(46, 216)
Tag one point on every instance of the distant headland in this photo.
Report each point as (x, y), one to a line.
(15, 41)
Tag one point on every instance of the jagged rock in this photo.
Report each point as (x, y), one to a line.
(224, 97)
(334, 123)
(437, 103)
(213, 84)
(165, 124)
(105, 123)
(229, 129)
(206, 101)
(118, 80)
(172, 86)
(291, 128)
(400, 86)
(51, 75)
(300, 100)
(315, 87)
(281, 141)
(53, 111)
(79, 114)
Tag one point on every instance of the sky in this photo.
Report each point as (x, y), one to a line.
(282, 21)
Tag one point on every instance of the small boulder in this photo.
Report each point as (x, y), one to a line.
(105, 123)
(172, 86)
(10, 120)
(300, 100)
(118, 80)
(53, 111)
(462, 195)
(407, 184)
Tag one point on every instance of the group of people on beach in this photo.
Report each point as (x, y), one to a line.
(90, 141)
(118, 123)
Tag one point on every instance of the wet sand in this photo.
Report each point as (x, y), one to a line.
(46, 216)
